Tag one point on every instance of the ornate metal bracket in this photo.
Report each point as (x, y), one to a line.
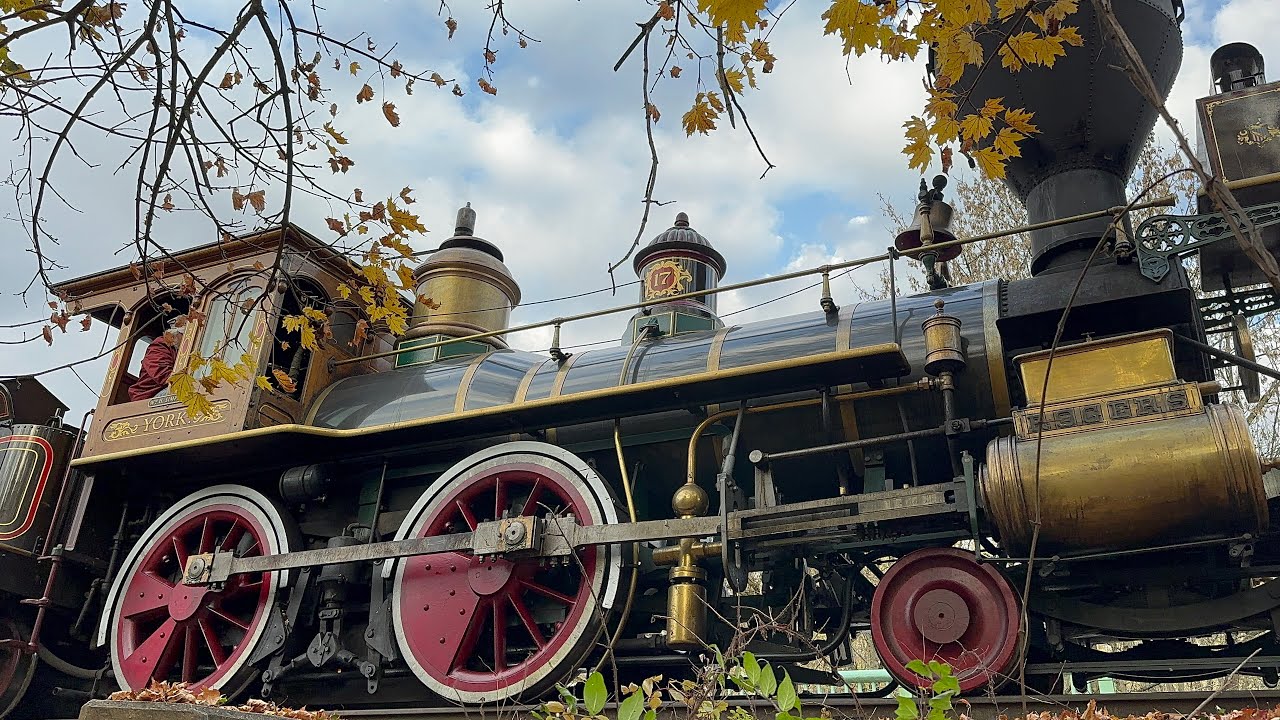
(1164, 237)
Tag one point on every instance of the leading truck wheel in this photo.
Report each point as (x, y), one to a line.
(941, 604)
(159, 629)
(488, 629)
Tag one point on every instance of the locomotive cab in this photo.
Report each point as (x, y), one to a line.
(229, 299)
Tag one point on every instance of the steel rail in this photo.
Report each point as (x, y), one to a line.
(1165, 201)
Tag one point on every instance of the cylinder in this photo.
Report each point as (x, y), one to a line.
(686, 615)
(1132, 485)
(943, 343)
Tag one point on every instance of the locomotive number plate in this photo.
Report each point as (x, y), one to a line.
(152, 423)
(1108, 411)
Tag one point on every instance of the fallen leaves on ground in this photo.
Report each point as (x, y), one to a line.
(168, 692)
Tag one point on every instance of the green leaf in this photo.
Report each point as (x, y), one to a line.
(786, 693)
(768, 681)
(938, 669)
(752, 666)
(631, 708)
(650, 714)
(594, 694)
(907, 709)
(784, 715)
(948, 684)
(918, 667)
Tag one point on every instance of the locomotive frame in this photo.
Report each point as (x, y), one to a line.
(1045, 462)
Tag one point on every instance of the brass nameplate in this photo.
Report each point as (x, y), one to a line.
(153, 423)
(1109, 411)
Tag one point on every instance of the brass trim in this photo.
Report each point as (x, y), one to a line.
(717, 347)
(464, 385)
(562, 375)
(319, 400)
(608, 392)
(995, 349)
(713, 358)
(527, 381)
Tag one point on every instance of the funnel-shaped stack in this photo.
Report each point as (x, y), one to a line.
(1092, 120)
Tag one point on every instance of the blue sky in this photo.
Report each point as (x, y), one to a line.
(555, 163)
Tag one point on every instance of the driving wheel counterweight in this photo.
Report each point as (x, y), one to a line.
(941, 604)
(491, 628)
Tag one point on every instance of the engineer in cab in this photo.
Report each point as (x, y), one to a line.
(157, 363)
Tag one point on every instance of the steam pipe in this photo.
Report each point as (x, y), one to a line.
(759, 457)
(1165, 201)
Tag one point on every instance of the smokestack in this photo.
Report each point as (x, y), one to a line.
(1092, 120)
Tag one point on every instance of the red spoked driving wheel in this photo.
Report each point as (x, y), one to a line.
(941, 604)
(485, 629)
(161, 629)
(16, 667)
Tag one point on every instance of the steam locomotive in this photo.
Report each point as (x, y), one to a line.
(1031, 477)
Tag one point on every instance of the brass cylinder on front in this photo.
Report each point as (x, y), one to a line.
(686, 614)
(1130, 485)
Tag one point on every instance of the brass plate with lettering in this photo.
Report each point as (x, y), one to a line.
(157, 422)
(1108, 411)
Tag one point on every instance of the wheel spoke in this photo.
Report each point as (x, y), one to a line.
(467, 515)
(467, 647)
(499, 636)
(499, 498)
(206, 536)
(548, 592)
(146, 593)
(526, 617)
(142, 663)
(211, 641)
(531, 503)
(218, 612)
(232, 536)
(189, 654)
(179, 552)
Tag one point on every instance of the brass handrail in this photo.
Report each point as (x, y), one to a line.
(1165, 201)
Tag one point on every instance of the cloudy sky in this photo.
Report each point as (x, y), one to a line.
(555, 164)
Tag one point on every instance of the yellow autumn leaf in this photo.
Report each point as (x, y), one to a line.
(1019, 119)
(991, 162)
(1071, 36)
(1017, 50)
(403, 220)
(974, 128)
(1060, 9)
(737, 16)
(1048, 49)
(733, 78)
(314, 314)
(1006, 8)
(405, 273)
(344, 291)
(917, 149)
(992, 107)
(219, 372)
(700, 118)
(262, 382)
(855, 23)
(945, 129)
(1007, 142)
(337, 136)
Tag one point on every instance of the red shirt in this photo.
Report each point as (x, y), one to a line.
(157, 364)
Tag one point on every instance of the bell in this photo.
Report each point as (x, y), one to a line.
(937, 214)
